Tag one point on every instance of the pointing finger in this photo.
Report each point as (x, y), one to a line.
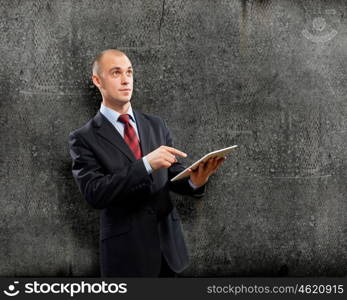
(175, 151)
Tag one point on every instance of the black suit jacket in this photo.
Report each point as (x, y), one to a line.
(138, 221)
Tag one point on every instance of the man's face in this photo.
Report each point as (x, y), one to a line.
(116, 78)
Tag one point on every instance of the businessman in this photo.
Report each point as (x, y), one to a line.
(122, 162)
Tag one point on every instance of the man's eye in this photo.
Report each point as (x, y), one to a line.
(130, 72)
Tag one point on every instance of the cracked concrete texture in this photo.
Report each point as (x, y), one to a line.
(269, 76)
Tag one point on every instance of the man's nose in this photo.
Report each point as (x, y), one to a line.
(124, 79)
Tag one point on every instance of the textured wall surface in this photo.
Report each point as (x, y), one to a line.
(269, 76)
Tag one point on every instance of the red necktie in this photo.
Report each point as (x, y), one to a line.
(130, 136)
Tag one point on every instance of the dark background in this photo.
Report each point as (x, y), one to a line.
(269, 76)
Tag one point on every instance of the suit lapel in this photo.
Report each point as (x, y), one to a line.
(106, 130)
(143, 129)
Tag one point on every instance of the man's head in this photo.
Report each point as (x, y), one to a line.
(113, 75)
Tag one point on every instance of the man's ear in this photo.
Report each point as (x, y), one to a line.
(96, 81)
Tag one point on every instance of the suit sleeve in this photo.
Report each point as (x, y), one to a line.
(181, 186)
(102, 190)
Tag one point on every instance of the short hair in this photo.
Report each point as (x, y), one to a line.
(96, 63)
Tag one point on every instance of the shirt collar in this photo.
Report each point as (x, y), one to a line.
(113, 115)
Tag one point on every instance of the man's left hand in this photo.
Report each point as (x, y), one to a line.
(201, 174)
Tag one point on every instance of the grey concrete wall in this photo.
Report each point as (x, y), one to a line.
(269, 76)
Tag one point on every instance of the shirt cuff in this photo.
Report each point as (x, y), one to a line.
(147, 165)
(193, 185)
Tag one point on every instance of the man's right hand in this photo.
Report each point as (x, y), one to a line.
(163, 157)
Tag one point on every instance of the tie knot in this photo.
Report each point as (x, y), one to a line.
(124, 118)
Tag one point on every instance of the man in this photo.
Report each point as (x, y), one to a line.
(122, 161)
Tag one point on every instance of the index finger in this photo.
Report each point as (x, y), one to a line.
(175, 151)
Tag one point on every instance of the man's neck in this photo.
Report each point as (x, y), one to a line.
(121, 109)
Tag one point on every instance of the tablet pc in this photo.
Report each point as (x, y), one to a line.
(217, 153)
